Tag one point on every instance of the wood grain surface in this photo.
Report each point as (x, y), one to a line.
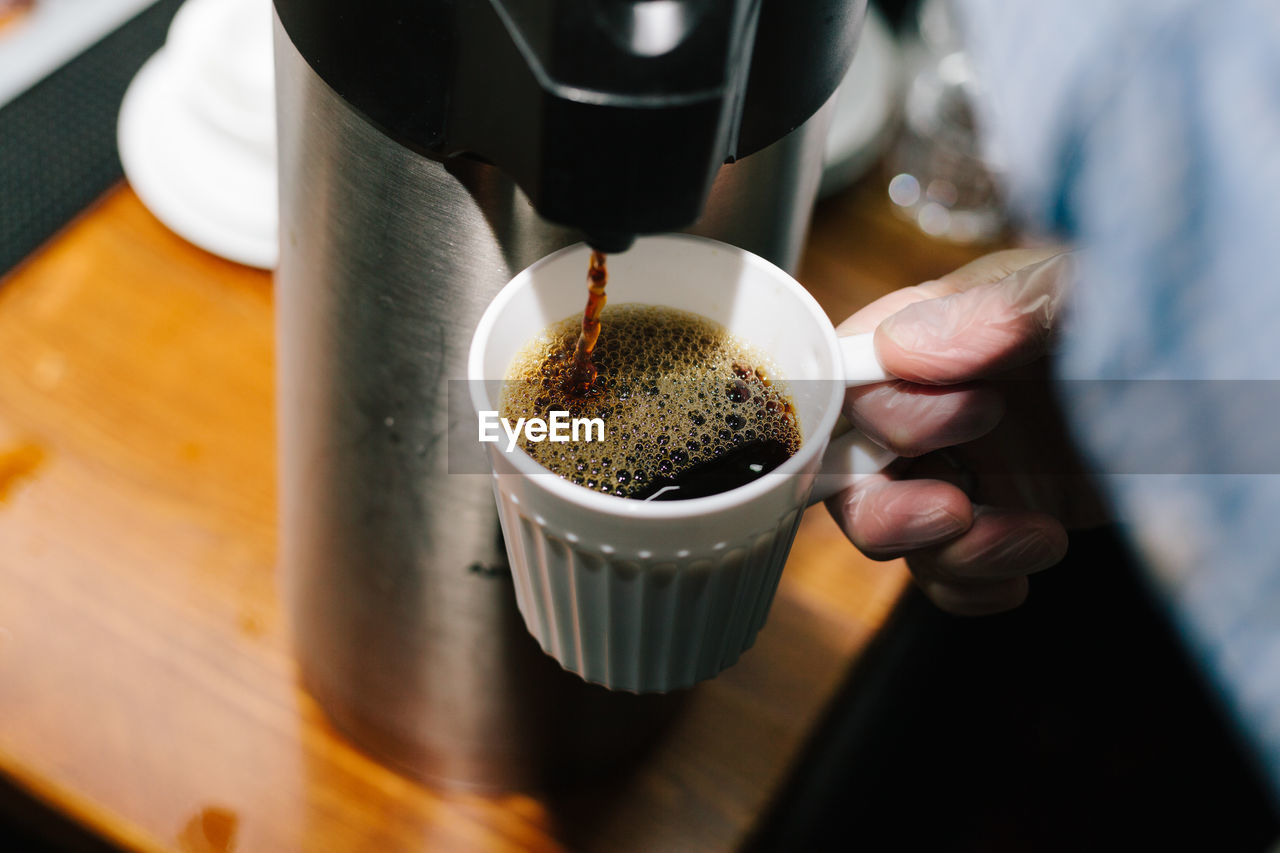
(146, 686)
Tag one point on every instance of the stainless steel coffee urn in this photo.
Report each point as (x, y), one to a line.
(429, 150)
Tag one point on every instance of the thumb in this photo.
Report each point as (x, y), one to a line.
(983, 329)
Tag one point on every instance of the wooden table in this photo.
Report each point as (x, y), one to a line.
(146, 686)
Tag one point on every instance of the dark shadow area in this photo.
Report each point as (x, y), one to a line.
(30, 826)
(1074, 723)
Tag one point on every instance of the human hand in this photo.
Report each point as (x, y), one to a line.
(971, 504)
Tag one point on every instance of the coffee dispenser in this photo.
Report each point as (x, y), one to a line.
(429, 150)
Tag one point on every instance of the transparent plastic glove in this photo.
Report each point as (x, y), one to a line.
(973, 506)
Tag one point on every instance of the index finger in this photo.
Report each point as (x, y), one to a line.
(866, 318)
(984, 270)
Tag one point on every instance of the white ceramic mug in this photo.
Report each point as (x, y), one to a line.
(654, 596)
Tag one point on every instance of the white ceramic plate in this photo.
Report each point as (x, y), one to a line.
(211, 188)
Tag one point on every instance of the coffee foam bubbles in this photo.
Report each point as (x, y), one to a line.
(674, 390)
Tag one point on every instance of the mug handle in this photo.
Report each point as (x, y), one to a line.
(851, 455)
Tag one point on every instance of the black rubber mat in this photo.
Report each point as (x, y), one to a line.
(58, 139)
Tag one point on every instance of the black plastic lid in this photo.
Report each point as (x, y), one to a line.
(614, 116)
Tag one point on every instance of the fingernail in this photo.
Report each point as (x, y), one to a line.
(911, 327)
(1033, 551)
(935, 526)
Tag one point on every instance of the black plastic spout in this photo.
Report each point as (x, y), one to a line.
(609, 242)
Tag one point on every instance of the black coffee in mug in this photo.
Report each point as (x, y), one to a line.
(689, 409)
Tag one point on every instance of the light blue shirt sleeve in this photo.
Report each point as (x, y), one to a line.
(1148, 132)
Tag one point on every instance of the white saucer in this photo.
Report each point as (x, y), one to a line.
(213, 189)
(865, 104)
